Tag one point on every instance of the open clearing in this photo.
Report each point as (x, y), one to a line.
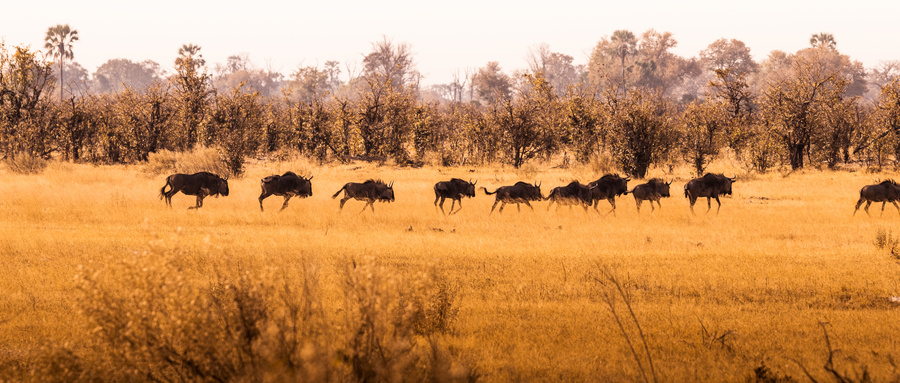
(716, 296)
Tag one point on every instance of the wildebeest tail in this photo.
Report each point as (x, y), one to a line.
(487, 192)
(686, 192)
(162, 192)
(339, 191)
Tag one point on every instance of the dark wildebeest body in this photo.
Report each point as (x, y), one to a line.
(884, 192)
(651, 191)
(287, 186)
(521, 192)
(201, 184)
(454, 189)
(369, 191)
(608, 188)
(572, 194)
(709, 186)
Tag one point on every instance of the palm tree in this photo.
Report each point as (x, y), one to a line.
(623, 44)
(190, 52)
(59, 41)
(825, 40)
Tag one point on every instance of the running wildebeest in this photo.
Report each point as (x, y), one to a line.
(454, 189)
(572, 194)
(521, 192)
(709, 186)
(652, 190)
(884, 192)
(369, 191)
(287, 186)
(608, 188)
(201, 184)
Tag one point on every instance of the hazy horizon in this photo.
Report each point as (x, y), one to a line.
(283, 36)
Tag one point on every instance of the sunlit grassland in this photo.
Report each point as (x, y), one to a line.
(783, 255)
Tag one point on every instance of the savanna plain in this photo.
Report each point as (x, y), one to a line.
(102, 282)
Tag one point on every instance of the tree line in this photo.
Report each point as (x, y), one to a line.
(634, 102)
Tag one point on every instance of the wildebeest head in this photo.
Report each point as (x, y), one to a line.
(221, 186)
(660, 187)
(385, 193)
(469, 188)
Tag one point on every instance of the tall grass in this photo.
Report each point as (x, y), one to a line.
(103, 280)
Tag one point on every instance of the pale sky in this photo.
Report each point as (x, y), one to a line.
(445, 36)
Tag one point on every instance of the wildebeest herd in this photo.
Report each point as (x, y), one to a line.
(607, 188)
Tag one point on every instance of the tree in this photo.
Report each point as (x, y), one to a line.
(701, 125)
(392, 61)
(793, 107)
(823, 40)
(529, 125)
(117, 74)
(641, 132)
(58, 43)
(555, 67)
(733, 92)
(240, 70)
(491, 84)
(193, 90)
(309, 83)
(190, 54)
(732, 55)
(26, 117)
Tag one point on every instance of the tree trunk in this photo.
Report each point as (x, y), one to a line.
(796, 155)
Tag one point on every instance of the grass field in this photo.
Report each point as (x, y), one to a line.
(747, 294)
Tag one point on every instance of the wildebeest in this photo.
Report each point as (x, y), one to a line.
(709, 186)
(287, 186)
(572, 194)
(521, 192)
(454, 189)
(608, 188)
(884, 192)
(369, 191)
(201, 184)
(652, 190)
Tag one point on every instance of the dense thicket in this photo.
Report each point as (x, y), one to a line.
(635, 102)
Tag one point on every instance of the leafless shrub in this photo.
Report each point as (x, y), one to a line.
(386, 317)
(613, 291)
(151, 318)
(838, 376)
(23, 163)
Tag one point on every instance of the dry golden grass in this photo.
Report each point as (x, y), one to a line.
(716, 296)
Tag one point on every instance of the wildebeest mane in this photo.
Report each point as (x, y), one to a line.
(375, 181)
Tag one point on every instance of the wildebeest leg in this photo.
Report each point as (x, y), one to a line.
(868, 203)
(857, 206)
(519, 207)
(529, 205)
(286, 199)
(502, 204)
(442, 204)
(493, 206)
(199, 202)
(693, 200)
(612, 202)
(709, 203)
(343, 201)
(638, 203)
(720, 205)
(652, 209)
(453, 204)
(896, 206)
(262, 196)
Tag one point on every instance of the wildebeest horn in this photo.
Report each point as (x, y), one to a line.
(670, 182)
(391, 185)
(627, 179)
(310, 177)
(733, 179)
(473, 183)
(226, 178)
